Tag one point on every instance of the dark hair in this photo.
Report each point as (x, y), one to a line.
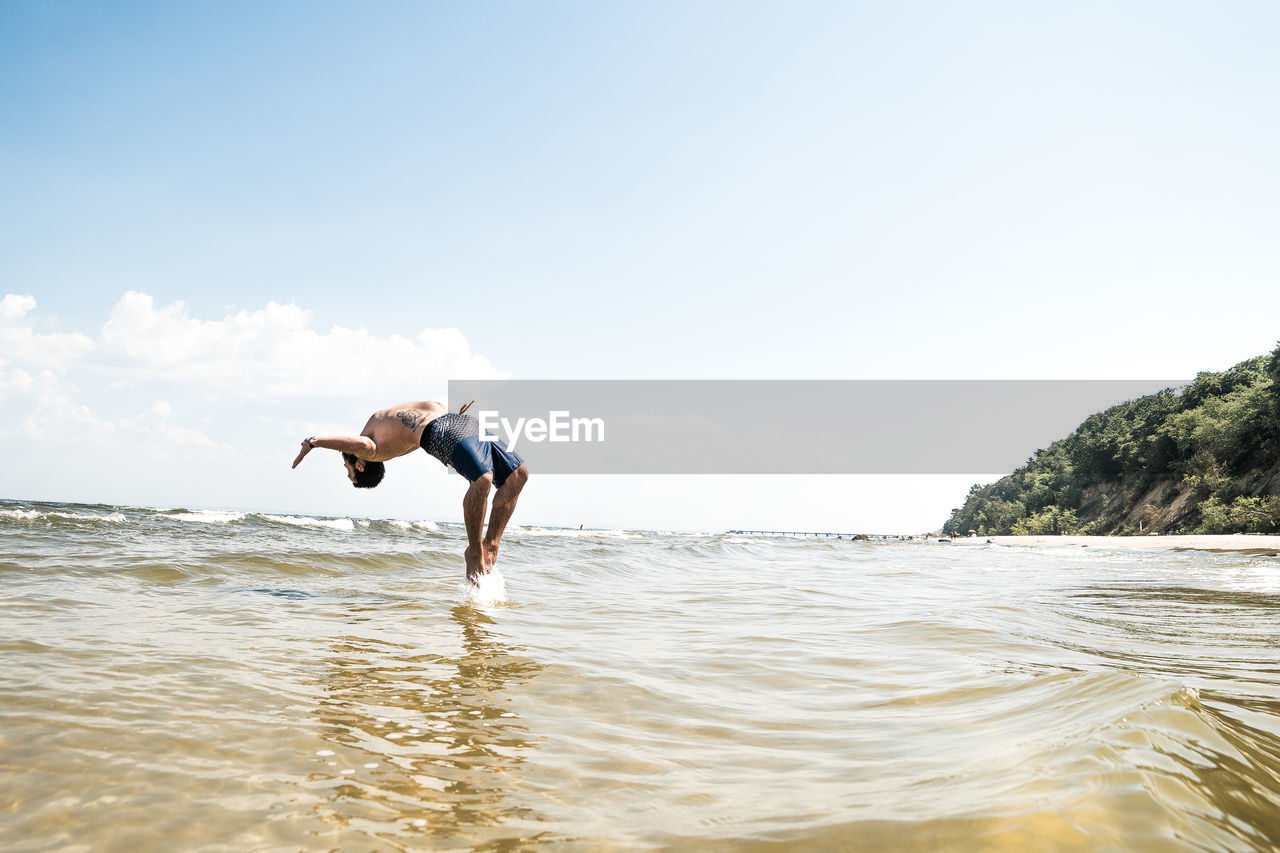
(371, 475)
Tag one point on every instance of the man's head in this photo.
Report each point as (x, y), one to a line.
(363, 474)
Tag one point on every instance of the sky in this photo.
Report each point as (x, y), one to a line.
(228, 226)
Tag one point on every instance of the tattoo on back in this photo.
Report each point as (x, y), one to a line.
(411, 418)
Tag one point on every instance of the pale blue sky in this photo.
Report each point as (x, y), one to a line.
(653, 190)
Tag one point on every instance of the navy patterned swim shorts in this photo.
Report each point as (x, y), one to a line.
(455, 440)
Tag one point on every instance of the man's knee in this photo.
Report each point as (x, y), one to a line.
(516, 479)
(482, 483)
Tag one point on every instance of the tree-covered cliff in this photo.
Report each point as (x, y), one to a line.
(1203, 460)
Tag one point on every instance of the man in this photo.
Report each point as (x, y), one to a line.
(452, 438)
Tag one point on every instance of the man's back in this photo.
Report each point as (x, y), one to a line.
(397, 430)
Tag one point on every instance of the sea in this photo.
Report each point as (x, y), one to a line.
(186, 679)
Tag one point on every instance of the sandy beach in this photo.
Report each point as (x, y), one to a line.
(1260, 545)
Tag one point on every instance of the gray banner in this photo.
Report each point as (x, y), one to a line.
(786, 427)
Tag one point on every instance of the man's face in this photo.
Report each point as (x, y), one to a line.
(352, 469)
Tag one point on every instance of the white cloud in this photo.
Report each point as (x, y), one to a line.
(14, 381)
(187, 436)
(273, 353)
(38, 406)
(156, 422)
(15, 306)
(20, 342)
(261, 360)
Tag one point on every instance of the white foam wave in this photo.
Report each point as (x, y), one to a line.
(114, 517)
(401, 524)
(345, 525)
(208, 516)
(33, 515)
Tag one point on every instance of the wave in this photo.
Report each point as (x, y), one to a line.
(48, 515)
(206, 516)
(17, 513)
(412, 525)
(344, 525)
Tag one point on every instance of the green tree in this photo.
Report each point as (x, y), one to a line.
(1219, 436)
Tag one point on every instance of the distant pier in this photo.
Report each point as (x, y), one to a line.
(861, 537)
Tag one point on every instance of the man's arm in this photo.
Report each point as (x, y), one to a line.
(360, 446)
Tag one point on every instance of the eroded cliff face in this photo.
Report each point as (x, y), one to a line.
(1175, 506)
(1116, 508)
(1179, 507)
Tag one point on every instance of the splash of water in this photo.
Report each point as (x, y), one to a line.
(491, 589)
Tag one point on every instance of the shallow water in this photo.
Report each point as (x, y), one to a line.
(176, 679)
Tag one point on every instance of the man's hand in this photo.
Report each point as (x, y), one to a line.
(306, 448)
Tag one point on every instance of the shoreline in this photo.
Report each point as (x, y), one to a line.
(1236, 544)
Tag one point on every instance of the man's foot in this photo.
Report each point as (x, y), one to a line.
(490, 554)
(475, 564)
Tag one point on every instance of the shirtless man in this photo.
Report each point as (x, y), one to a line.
(454, 439)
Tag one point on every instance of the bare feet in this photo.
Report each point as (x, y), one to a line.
(475, 565)
(490, 556)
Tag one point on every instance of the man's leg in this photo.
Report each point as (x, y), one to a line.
(504, 503)
(473, 506)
